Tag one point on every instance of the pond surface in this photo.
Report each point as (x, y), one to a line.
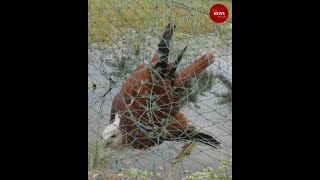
(206, 114)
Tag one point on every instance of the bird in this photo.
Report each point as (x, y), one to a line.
(146, 111)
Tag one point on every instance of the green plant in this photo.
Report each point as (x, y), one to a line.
(224, 98)
(209, 174)
(141, 173)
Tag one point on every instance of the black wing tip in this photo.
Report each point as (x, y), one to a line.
(167, 36)
(180, 57)
(172, 72)
(185, 48)
(207, 139)
(171, 25)
(163, 48)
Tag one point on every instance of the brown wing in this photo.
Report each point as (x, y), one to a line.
(195, 68)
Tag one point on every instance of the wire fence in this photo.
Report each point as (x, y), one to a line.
(123, 34)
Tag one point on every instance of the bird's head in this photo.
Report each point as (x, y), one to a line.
(112, 134)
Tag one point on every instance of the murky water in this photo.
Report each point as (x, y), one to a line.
(207, 114)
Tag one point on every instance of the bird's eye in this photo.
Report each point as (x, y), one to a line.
(113, 136)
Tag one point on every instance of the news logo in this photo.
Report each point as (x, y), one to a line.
(219, 13)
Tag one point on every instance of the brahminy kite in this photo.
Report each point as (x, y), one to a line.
(146, 110)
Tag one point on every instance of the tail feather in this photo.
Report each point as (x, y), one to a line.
(195, 68)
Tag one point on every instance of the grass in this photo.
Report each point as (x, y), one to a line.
(109, 19)
(143, 174)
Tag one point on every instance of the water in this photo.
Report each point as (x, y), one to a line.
(207, 115)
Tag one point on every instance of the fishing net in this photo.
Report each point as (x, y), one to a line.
(123, 34)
